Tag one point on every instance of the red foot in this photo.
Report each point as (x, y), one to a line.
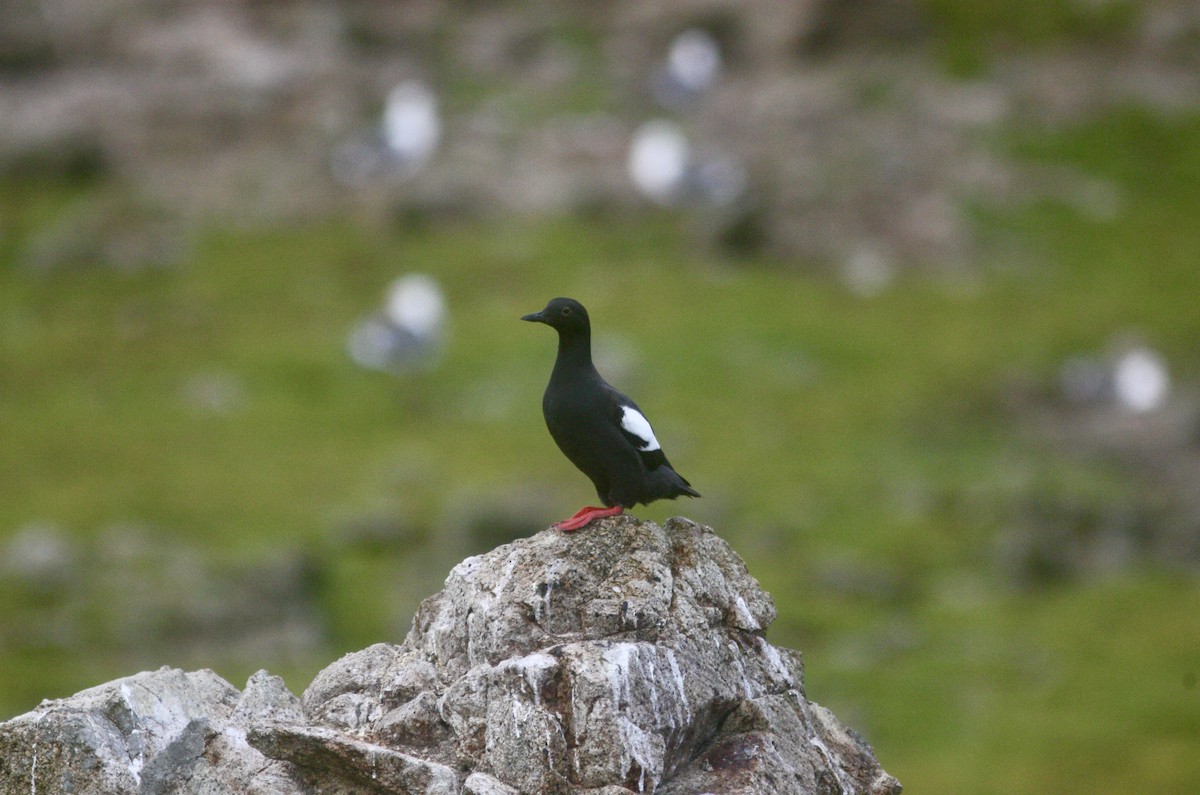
(584, 516)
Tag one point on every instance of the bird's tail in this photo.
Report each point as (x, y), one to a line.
(678, 485)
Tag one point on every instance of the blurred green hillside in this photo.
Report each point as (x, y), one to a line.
(865, 455)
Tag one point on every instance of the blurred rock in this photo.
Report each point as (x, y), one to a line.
(626, 657)
(849, 577)
(843, 129)
(477, 520)
(1084, 379)
(218, 393)
(105, 234)
(1055, 540)
(1118, 409)
(136, 592)
(868, 272)
(40, 556)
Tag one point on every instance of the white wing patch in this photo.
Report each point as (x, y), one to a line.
(633, 422)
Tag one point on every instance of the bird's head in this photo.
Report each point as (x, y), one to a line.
(563, 314)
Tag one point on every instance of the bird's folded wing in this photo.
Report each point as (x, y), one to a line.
(637, 431)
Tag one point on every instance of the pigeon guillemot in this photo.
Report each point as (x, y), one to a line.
(600, 430)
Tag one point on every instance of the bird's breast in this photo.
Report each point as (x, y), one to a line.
(573, 419)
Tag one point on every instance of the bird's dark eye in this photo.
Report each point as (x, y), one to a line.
(566, 310)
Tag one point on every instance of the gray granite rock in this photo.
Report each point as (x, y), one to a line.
(625, 657)
(164, 731)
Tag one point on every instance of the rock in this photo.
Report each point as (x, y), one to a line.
(156, 732)
(483, 784)
(131, 587)
(625, 657)
(330, 761)
(839, 118)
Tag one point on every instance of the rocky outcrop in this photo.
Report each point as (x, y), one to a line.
(157, 732)
(626, 657)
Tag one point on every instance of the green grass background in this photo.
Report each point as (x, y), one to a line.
(828, 432)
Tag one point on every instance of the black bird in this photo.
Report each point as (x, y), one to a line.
(603, 432)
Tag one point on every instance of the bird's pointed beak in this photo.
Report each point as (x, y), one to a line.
(535, 317)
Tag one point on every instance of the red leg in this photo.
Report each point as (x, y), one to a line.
(582, 511)
(585, 516)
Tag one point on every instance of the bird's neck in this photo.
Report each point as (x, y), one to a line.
(574, 355)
